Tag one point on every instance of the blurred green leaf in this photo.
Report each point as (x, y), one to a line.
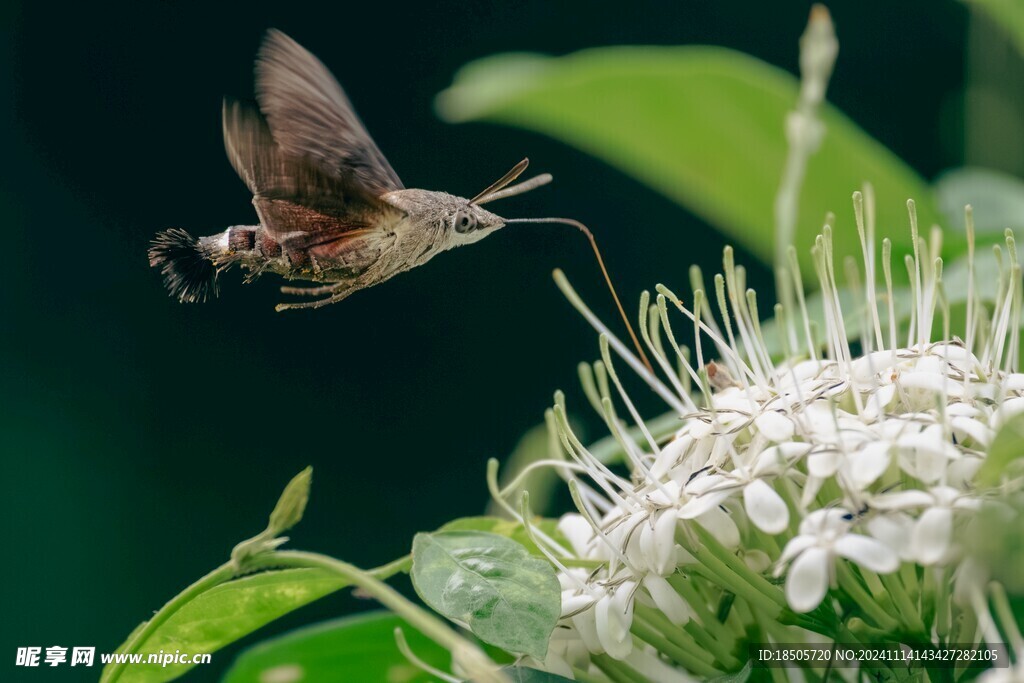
(1009, 14)
(490, 583)
(997, 198)
(357, 648)
(1007, 446)
(224, 614)
(704, 126)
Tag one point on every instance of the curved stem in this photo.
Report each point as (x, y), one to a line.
(220, 575)
(463, 651)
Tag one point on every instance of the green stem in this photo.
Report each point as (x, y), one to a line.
(904, 605)
(648, 633)
(686, 638)
(616, 671)
(710, 644)
(585, 676)
(851, 585)
(708, 620)
(479, 665)
(220, 575)
(1004, 612)
(739, 567)
(719, 573)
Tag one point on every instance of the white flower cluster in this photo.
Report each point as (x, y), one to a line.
(789, 487)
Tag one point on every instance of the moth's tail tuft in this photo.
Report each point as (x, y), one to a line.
(189, 273)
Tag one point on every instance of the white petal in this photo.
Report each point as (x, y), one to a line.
(968, 427)
(703, 483)
(807, 582)
(615, 640)
(572, 603)
(633, 530)
(697, 506)
(961, 472)
(721, 526)
(924, 455)
(932, 535)
(823, 464)
(664, 543)
(757, 561)
(586, 625)
(811, 488)
(865, 368)
(765, 507)
(969, 578)
(577, 530)
(868, 464)
(833, 520)
(775, 426)
(670, 455)
(1009, 408)
(797, 545)
(879, 401)
(867, 552)
(902, 500)
(893, 529)
(667, 599)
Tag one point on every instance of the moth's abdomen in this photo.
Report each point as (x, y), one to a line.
(191, 266)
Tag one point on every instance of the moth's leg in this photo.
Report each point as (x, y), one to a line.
(312, 291)
(318, 303)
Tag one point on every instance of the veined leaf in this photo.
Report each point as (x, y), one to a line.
(224, 614)
(490, 583)
(702, 125)
(357, 648)
(509, 528)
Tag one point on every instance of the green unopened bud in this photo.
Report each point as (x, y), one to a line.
(292, 503)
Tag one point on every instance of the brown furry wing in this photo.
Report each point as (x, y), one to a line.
(311, 118)
(299, 204)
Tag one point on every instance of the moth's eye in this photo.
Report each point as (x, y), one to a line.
(464, 222)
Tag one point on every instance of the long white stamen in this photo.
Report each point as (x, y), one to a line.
(620, 348)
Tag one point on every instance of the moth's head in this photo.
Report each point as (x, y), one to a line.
(472, 223)
(467, 223)
(464, 221)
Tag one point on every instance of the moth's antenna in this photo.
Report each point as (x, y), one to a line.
(504, 180)
(604, 271)
(513, 190)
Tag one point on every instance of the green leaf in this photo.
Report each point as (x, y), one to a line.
(997, 198)
(1005, 448)
(704, 126)
(524, 674)
(1009, 14)
(509, 528)
(505, 596)
(357, 648)
(224, 614)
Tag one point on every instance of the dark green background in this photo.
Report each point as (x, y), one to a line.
(141, 438)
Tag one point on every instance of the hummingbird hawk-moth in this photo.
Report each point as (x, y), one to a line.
(331, 209)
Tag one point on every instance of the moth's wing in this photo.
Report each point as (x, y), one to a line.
(299, 204)
(311, 118)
